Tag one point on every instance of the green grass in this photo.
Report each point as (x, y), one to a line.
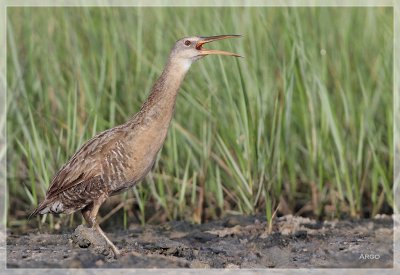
(303, 122)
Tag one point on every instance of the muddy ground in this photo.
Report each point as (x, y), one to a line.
(233, 242)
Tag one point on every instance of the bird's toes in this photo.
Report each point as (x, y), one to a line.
(117, 253)
(89, 238)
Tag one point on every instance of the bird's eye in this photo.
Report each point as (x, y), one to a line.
(187, 43)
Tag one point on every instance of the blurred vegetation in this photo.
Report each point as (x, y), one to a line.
(301, 125)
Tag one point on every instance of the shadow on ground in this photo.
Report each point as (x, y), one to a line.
(233, 242)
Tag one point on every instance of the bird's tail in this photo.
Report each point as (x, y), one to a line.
(38, 210)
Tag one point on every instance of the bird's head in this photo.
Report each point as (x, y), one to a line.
(189, 49)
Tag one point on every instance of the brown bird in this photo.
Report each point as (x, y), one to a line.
(118, 158)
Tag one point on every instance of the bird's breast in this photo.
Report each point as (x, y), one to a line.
(136, 155)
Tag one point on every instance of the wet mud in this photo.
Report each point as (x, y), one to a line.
(232, 242)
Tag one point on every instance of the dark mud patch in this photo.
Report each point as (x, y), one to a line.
(233, 242)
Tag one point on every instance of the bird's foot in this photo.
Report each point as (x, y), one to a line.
(90, 238)
(115, 250)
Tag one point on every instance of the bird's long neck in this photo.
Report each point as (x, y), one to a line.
(160, 104)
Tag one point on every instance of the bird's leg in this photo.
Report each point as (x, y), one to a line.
(89, 213)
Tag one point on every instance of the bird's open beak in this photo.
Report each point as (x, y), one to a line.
(204, 40)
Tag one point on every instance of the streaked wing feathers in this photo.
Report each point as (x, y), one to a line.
(85, 164)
